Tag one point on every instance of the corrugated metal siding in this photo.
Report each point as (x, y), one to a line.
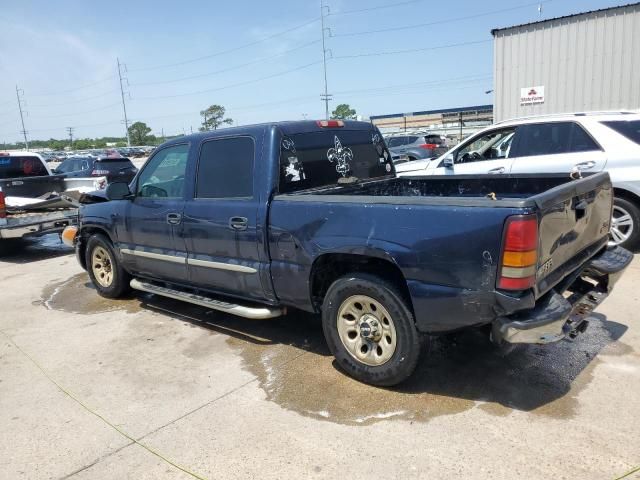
(585, 62)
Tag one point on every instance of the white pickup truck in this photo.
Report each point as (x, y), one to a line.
(35, 202)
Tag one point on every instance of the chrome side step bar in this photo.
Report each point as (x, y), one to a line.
(256, 313)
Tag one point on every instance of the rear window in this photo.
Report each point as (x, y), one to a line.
(25, 166)
(434, 139)
(317, 159)
(628, 128)
(113, 164)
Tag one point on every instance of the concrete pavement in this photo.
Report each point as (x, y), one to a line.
(152, 388)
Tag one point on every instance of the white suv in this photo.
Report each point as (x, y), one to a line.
(589, 142)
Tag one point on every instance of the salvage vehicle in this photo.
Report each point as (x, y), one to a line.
(255, 220)
(34, 202)
(559, 143)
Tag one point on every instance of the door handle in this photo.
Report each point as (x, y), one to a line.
(238, 223)
(585, 165)
(174, 218)
(497, 170)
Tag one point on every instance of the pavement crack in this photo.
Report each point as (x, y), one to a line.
(96, 461)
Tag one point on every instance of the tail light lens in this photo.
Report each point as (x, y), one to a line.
(519, 253)
(99, 173)
(429, 146)
(3, 206)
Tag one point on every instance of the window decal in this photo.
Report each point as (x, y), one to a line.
(341, 156)
(293, 169)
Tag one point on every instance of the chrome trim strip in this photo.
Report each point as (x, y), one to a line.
(220, 265)
(154, 256)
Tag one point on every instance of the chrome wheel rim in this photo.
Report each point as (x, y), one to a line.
(366, 330)
(621, 226)
(102, 266)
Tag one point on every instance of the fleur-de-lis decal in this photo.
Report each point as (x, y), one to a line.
(341, 156)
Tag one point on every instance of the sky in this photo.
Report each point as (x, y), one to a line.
(261, 60)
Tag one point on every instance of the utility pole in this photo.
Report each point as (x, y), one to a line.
(326, 97)
(19, 93)
(124, 106)
(163, 134)
(70, 130)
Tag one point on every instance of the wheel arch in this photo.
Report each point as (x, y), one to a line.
(329, 267)
(83, 238)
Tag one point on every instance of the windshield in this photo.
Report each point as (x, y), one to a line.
(317, 159)
(25, 166)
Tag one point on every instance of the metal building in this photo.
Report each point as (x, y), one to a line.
(587, 61)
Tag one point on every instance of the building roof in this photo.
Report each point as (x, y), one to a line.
(496, 30)
(431, 112)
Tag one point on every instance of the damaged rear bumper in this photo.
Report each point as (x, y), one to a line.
(556, 316)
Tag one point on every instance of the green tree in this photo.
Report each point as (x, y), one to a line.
(213, 118)
(344, 112)
(138, 133)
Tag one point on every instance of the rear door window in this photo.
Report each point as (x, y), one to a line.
(225, 168)
(396, 141)
(551, 139)
(23, 166)
(627, 128)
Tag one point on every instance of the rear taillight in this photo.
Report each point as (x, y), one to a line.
(428, 146)
(330, 123)
(519, 253)
(99, 173)
(3, 206)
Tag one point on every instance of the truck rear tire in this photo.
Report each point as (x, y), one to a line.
(370, 330)
(625, 224)
(105, 271)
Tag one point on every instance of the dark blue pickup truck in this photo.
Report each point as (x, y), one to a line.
(257, 219)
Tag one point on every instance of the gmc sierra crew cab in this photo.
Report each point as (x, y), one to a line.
(310, 215)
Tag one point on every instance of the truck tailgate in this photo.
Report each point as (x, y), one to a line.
(574, 224)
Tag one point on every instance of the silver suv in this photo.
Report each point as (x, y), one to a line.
(417, 146)
(587, 142)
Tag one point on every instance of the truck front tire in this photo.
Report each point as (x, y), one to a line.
(370, 330)
(105, 271)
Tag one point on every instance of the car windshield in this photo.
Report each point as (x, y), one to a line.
(23, 166)
(326, 158)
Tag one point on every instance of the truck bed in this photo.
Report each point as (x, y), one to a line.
(524, 190)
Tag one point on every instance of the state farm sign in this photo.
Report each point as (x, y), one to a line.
(531, 95)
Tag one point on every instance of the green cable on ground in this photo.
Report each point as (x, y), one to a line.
(637, 469)
(93, 412)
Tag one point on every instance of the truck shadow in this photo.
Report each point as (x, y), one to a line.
(20, 251)
(455, 372)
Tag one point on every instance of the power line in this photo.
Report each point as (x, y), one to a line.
(439, 22)
(248, 82)
(420, 84)
(412, 50)
(111, 105)
(77, 100)
(253, 62)
(369, 9)
(71, 90)
(230, 50)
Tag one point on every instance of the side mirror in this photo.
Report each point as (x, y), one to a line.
(448, 161)
(118, 191)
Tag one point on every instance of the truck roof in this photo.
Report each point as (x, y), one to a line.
(289, 127)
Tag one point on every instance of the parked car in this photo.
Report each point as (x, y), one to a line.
(416, 146)
(256, 219)
(114, 169)
(585, 142)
